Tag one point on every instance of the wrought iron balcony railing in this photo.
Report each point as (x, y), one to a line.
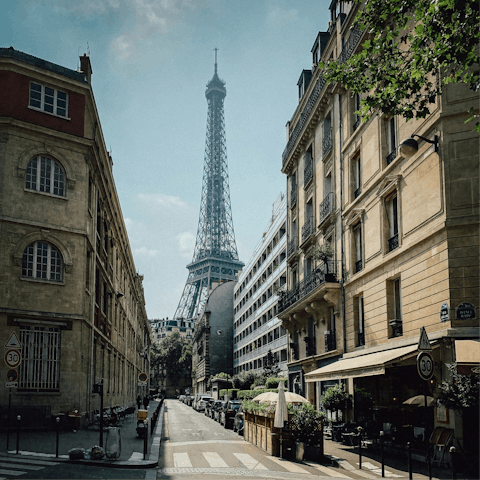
(391, 157)
(327, 206)
(293, 196)
(292, 246)
(360, 339)
(356, 123)
(393, 243)
(307, 229)
(311, 346)
(330, 341)
(308, 173)
(357, 192)
(327, 142)
(358, 266)
(326, 272)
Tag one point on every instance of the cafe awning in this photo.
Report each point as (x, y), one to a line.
(362, 365)
(467, 355)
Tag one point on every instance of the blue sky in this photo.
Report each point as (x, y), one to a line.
(151, 61)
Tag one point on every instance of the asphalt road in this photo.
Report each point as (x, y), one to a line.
(196, 446)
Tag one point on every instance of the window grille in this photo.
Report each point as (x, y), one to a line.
(40, 368)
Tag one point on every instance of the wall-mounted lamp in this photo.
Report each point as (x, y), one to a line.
(409, 146)
(117, 294)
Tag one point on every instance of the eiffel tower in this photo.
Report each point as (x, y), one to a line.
(215, 258)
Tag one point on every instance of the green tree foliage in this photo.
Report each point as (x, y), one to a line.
(335, 398)
(306, 424)
(173, 356)
(271, 368)
(412, 49)
(243, 380)
(462, 391)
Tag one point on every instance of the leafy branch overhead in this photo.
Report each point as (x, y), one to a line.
(173, 356)
(411, 50)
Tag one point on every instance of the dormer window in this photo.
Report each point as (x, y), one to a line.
(303, 82)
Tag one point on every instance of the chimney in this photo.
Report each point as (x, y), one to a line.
(86, 67)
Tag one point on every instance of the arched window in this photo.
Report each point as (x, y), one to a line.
(45, 175)
(43, 261)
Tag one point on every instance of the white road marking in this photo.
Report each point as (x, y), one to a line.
(373, 468)
(329, 471)
(182, 460)
(135, 456)
(291, 467)
(214, 460)
(12, 472)
(27, 460)
(21, 465)
(199, 442)
(250, 462)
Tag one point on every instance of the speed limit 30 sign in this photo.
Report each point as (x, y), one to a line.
(13, 358)
(425, 365)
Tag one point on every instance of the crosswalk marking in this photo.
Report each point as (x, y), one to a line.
(11, 472)
(329, 471)
(182, 460)
(214, 460)
(250, 462)
(291, 467)
(27, 461)
(25, 466)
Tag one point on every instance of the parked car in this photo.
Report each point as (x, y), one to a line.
(218, 409)
(208, 406)
(202, 402)
(189, 400)
(228, 412)
(215, 406)
(181, 398)
(238, 421)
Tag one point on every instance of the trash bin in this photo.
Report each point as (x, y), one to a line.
(142, 428)
(75, 417)
(113, 443)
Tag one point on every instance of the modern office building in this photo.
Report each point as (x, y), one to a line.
(257, 328)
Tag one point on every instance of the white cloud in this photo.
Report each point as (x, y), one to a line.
(145, 251)
(128, 223)
(162, 199)
(186, 244)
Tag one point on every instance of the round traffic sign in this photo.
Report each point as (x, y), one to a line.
(12, 375)
(143, 377)
(425, 365)
(13, 358)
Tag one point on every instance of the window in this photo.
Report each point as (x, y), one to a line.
(357, 247)
(40, 367)
(356, 108)
(392, 219)
(356, 176)
(42, 261)
(327, 142)
(48, 99)
(45, 175)
(392, 142)
(330, 333)
(359, 320)
(394, 308)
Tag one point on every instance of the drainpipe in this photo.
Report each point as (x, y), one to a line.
(342, 239)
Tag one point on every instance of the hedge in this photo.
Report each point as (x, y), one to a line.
(249, 394)
(223, 392)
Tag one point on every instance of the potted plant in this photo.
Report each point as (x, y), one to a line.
(334, 399)
(306, 426)
(324, 254)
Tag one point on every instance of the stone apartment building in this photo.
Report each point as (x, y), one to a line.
(165, 327)
(257, 329)
(382, 241)
(69, 289)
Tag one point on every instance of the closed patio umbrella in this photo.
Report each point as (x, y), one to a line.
(290, 397)
(281, 411)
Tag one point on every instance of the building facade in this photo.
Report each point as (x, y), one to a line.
(212, 338)
(70, 293)
(381, 242)
(165, 327)
(257, 329)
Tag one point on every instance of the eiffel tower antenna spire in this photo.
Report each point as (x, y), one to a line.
(215, 258)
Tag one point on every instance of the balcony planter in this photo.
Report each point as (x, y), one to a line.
(307, 430)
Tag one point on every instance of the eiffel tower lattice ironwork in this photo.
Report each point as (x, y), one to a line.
(215, 258)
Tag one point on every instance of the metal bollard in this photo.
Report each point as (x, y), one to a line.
(359, 447)
(453, 451)
(382, 458)
(145, 439)
(57, 427)
(409, 448)
(19, 418)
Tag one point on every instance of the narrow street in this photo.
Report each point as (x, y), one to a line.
(197, 445)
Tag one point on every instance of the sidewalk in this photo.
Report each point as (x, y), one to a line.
(347, 457)
(43, 443)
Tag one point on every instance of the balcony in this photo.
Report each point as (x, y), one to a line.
(327, 206)
(391, 157)
(293, 196)
(326, 272)
(327, 142)
(311, 347)
(330, 341)
(307, 229)
(393, 243)
(308, 173)
(358, 266)
(292, 246)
